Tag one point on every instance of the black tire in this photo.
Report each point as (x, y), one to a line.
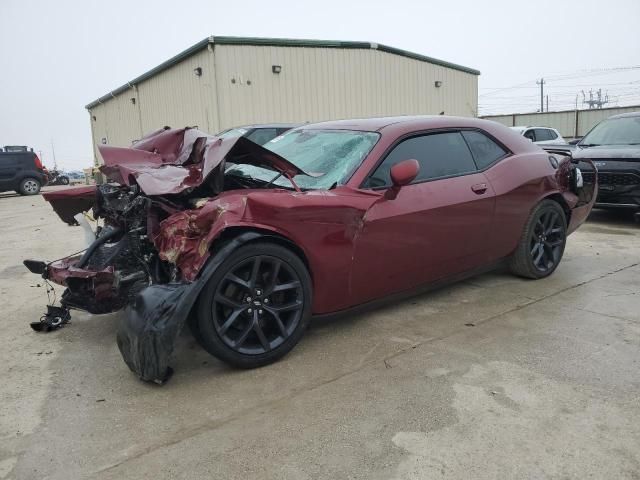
(64, 180)
(29, 186)
(542, 243)
(270, 304)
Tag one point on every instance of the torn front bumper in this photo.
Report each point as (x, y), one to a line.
(153, 320)
(149, 329)
(93, 291)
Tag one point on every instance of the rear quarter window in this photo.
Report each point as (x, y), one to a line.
(485, 151)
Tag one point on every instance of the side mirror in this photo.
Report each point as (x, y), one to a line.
(404, 173)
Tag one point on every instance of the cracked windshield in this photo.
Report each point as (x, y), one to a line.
(328, 156)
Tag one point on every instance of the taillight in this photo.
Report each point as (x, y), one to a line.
(38, 162)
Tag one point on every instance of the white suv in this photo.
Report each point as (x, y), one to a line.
(540, 134)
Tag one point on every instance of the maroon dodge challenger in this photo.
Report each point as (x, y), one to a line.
(246, 243)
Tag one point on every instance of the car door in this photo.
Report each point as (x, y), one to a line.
(9, 168)
(439, 225)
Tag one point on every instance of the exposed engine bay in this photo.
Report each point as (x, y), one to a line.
(152, 237)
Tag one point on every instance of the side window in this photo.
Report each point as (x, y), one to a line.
(262, 135)
(552, 134)
(484, 150)
(530, 135)
(542, 134)
(10, 160)
(439, 155)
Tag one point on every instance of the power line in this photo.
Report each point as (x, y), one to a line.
(569, 86)
(568, 76)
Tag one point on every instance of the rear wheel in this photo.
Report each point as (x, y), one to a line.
(256, 306)
(29, 186)
(64, 180)
(542, 243)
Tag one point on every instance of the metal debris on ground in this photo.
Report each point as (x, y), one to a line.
(56, 317)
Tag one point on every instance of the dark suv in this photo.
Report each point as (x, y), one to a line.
(614, 147)
(21, 170)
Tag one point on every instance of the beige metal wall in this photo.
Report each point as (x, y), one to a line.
(175, 97)
(115, 122)
(238, 87)
(330, 83)
(178, 98)
(569, 122)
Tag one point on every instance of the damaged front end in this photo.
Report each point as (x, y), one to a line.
(159, 185)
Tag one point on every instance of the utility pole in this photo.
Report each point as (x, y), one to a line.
(55, 164)
(547, 97)
(541, 82)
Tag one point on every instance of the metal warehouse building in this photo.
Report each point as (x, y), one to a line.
(223, 82)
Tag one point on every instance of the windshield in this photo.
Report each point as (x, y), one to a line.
(329, 156)
(614, 131)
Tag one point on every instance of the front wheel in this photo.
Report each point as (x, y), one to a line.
(542, 243)
(256, 306)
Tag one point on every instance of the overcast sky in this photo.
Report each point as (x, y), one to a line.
(57, 56)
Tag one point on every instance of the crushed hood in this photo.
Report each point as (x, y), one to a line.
(170, 161)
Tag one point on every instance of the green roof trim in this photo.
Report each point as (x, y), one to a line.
(275, 42)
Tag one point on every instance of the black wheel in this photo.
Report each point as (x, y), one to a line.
(542, 244)
(256, 306)
(64, 180)
(29, 186)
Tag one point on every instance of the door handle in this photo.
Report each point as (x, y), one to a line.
(479, 188)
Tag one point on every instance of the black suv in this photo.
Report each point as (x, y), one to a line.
(614, 147)
(21, 170)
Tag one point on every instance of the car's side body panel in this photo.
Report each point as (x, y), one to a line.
(431, 229)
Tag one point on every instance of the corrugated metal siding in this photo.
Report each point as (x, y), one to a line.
(177, 97)
(328, 83)
(315, 84)
(565, 121)
(117, 121)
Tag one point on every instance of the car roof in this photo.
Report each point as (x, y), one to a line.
(410, 122)
(629, 114)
